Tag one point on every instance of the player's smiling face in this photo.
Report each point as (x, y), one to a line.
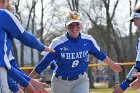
(74, 29)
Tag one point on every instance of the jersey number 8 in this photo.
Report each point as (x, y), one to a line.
(75, 63)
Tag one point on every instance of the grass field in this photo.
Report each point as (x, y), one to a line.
(102, 88)
(107, 90)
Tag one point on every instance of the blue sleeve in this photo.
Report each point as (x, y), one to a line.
(12, 84)
(125, 84)
(16, 76)
(99, 54)
(13, 27)
(95, 49)
(30, 41)
(14, 65)
(48, 57)
(11, 24)
(138, 64)
(42, 65)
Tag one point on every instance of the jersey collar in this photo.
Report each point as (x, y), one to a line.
(73, 39)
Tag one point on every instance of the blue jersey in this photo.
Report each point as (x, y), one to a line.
(71, 56)
(138, 50)
(125, 84)
(11, 28)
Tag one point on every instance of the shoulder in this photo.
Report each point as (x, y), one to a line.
(85, 36)
(7, 16)
(88, 37)
(5, 13)
(59, 40)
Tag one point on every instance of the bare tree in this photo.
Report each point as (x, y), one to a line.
(16, 5)
(73, 4)
(107, 33)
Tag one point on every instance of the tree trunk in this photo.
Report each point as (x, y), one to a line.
(22, 55)
(15, 52)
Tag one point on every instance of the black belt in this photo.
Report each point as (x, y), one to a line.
(69, 78)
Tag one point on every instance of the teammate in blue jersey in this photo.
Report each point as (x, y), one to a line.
(11, 28)
(133, 77)
(71, 58)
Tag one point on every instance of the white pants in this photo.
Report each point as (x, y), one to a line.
(3, 81)
(80, 85)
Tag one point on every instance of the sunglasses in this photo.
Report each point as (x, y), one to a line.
(136, 18)
(72, 26)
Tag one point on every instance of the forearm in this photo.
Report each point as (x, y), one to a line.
(16, 76)
(129, 79)
(108, 61)
(12, 84)
(30, 41)
(13, 64)
(100, 55)
(33, 74)
(39, 68)
(124, 85)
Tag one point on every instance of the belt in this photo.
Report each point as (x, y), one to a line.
(69, 78)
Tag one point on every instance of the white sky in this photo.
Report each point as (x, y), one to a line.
(121, 14)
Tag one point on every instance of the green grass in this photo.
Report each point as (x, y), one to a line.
(107, 90)
(103, 88)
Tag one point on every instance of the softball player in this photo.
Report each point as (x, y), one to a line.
(71, 58)
(11, 28)
(131, 80)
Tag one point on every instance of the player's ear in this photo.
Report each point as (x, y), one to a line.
(66, 26)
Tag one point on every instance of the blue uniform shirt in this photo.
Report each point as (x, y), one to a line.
(11, 28)
(71, 56)
(125, 84)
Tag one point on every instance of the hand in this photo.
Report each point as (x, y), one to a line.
(20, 90)
(38, 86)
(116, 67)
(136, 84)
(42, 84)
(48, 50)
(117, 89)
(30, 89)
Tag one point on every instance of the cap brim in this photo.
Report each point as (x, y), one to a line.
(79, 21)
(129, 19)
(133, 15)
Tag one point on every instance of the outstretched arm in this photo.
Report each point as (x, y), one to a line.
(39, 68)
(31, 41)
(136, 83)
(13, 27)
(116, 67)
(129, 79)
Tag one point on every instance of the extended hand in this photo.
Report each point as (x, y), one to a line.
(136, 84)
(30, 89)
(117, 89)
(116, 67)
(20, 90)
(39, 86)
(48, 49)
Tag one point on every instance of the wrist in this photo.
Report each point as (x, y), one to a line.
(124, 85)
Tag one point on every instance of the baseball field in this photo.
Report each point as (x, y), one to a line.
(107, 90)
(102, 88)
